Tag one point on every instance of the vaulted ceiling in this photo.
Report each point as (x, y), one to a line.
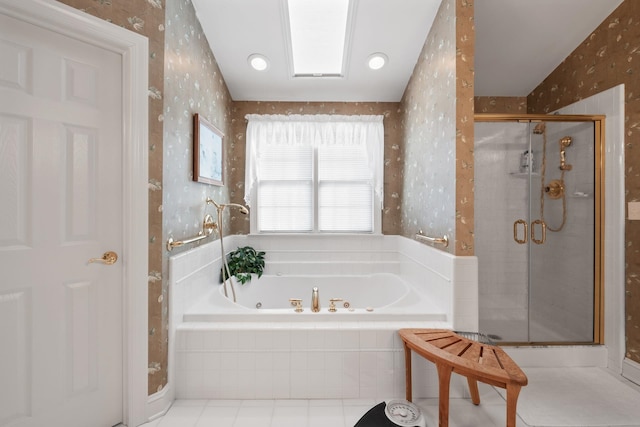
(518, 43)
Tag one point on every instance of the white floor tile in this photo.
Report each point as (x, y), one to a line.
(181, 416)
(576, 386)
(219, 416)
(258, 403)
(353, 413)
(254, 416)
(320, 416)
(224, 402)
(292, 403)
(290, 416)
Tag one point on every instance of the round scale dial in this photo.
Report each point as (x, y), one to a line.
(404, 413)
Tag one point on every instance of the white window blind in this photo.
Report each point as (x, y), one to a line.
(314, 173)
(345, 189)
(285, 190)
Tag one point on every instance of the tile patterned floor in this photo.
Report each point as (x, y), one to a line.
(345, 413)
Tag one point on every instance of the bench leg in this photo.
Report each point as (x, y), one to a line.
(444, 379)
(407, 371)
(513, 390)
(473, 391)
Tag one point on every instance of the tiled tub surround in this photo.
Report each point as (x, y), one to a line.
(255, 356)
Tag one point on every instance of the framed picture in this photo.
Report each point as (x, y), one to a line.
(208, 152)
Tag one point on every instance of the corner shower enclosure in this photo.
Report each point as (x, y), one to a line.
(538, 232)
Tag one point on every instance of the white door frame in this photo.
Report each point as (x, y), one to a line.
(133, 49)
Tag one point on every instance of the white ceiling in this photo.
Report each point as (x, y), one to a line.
(518, 43)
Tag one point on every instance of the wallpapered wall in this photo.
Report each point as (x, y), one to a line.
(501, 104)
(192, 84)
(465, 52)
(429, 133)
(147, 17)
(393, 157)
(608, 57)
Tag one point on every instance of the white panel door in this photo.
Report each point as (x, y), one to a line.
(61, 351)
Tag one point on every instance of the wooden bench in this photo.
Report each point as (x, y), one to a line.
(451, 352)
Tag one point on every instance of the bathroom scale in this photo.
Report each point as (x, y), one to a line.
(392, 414)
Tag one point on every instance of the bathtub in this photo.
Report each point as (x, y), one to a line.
(219, 349)
(366, 297)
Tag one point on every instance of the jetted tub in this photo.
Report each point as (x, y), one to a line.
(381, 296)
(219, 349)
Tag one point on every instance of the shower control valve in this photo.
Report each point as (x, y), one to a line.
(297, 303)
(555, 189)
(332, 304)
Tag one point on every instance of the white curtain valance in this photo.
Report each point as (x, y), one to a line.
(333, 118)
(265, 131)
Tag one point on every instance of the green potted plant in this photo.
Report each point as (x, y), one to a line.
(243, 262)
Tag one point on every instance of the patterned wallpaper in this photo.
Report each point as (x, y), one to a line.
(193, 84)
(608, 57)
(465, 51)
(393, 157)
(147, 17)
(501, 104)
(428, 124)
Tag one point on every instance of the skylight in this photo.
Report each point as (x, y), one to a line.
(318, 36)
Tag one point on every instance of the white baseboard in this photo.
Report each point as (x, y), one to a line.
(560, 356)
(159, 403)
(631, 370)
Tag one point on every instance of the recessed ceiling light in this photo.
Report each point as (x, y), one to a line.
(377, 60)
(258, 62)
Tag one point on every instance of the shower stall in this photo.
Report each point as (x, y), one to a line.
(538, 227)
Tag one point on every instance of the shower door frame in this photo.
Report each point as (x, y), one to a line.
(599, 153)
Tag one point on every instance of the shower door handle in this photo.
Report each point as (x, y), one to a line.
(515, 231)
(533, 232)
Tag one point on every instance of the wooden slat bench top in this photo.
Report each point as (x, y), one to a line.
(477, 361)
(485, 362)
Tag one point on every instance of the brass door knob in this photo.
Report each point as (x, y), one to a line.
(108, 258)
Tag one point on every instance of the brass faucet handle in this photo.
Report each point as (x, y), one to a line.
(297, 303)
(332, 304)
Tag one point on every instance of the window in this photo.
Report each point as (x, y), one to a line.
(314, 173)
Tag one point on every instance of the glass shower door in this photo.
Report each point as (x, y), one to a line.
(502, 180)
(536, 230)
(562, 212)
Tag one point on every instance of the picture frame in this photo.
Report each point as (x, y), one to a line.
(208, 152)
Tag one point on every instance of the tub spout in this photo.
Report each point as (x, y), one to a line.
(315, 300)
